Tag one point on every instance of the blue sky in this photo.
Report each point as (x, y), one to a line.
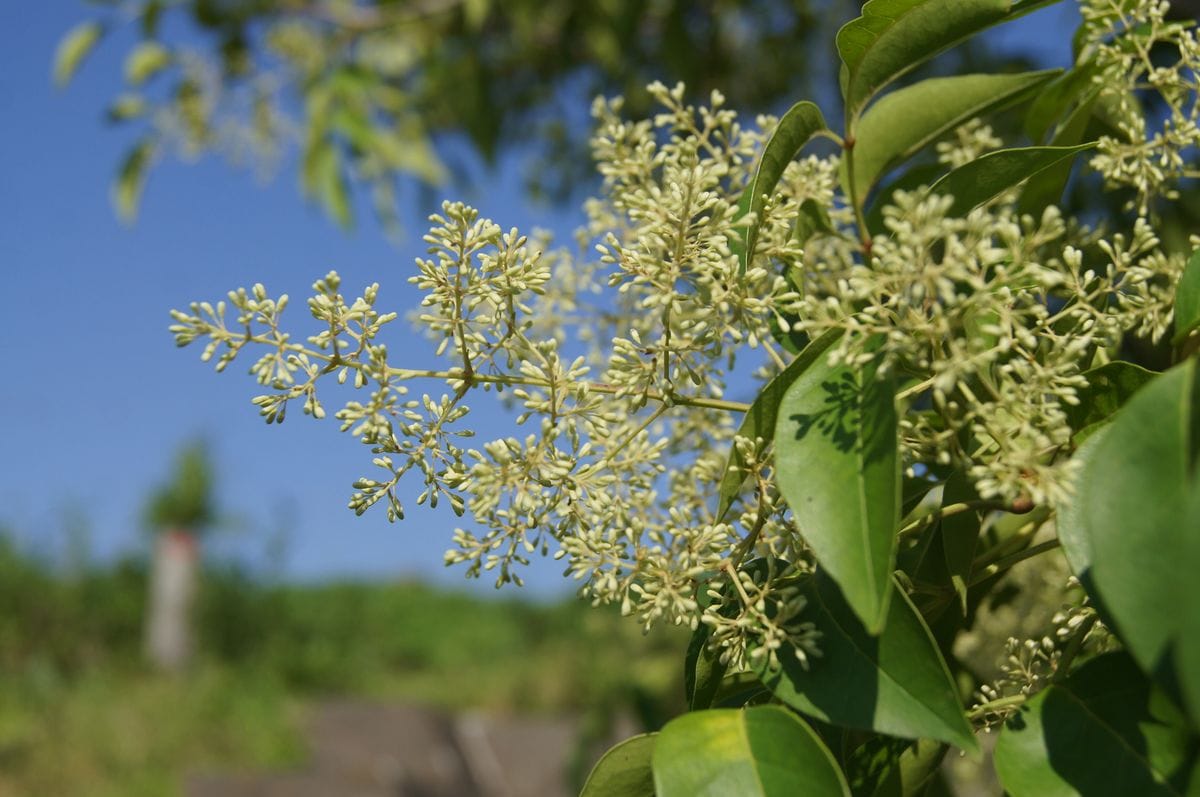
(94, 397)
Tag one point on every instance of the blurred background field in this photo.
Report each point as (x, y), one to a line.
(82, 714)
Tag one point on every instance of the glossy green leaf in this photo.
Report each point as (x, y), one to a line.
(797, 127)
(131, 179)
(905, 121)
(990, 175)
(1187, 298)
(624, 771)
(75, 46)
(895, 683)
(1109, 386)
(756, 752)
(761, 418)
(145, 61)
(1137, 506)
(836, 463)
(893, 36)
(1103, 731)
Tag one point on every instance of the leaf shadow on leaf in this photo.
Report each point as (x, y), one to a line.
(1078, 719)
(840, 417)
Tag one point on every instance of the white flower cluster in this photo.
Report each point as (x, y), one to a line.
(1029, 665)
(618, 367)
(1127, 42)
(995, 317)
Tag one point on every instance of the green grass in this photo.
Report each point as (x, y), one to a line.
(81, 715)
(112, 733)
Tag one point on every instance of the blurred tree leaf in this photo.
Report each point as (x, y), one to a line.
(186, 501)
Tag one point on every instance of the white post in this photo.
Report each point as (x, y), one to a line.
(172, 587)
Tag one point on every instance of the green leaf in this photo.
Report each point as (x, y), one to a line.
(894, 683)
(1103, 731)
(1187, 298)
(913, 178)
(1069, 519)
(893, 36)
(960, 534)
(756, 752)
(324, 170)
(702, 672)
(836, 463)
(145, 61)
(75, 46)
(797, 127)
(1137, 508)
(986, 177)
(1046, 187)
(624, 771)
(812, 220)
(131, 179)
(887, 767)
(126, 107)
(1109, 386)
(1063, 93)
(760, 419)
(905, 121)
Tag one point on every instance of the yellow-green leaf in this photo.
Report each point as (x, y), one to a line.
(145, 61)
(757, 752)
(131, 179)
(893, 36)
(74, 47)
(905, 121)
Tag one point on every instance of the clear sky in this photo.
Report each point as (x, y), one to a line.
(95, 399)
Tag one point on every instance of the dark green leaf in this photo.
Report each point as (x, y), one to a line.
(836, 463)
(1187, 298)
(908, 119)
(738, 690)
(887, 767)
(960, 533)
(893, 36)
(756, 752)
(1103, 731)
(760, 419)
(922, 174)
(894, 683)
(986, 177)
(797, 127)
(1109, 387)
(1137, 510)
(812, 220)
(75, 46)
(1046, 187)
(624, 771)
(1062, 94)
(702, 671)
